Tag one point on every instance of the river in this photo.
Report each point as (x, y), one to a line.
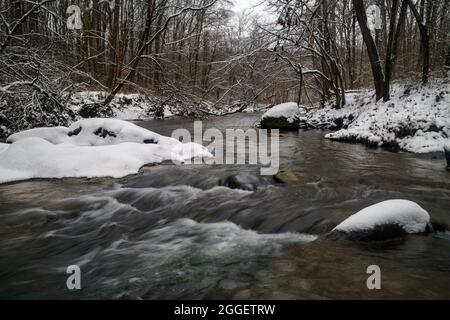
(171, 232)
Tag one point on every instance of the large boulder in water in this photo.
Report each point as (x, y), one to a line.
(286, 116)
(385, 220)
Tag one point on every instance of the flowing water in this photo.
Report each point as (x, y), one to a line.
(172, 232)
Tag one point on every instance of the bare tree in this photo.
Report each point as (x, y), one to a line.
(382, 79)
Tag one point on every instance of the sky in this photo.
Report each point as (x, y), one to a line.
(254, 7)
(241, 5)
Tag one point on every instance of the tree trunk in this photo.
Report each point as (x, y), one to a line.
(424, 42)
(299, 98)
(374, 57)
(394, 35)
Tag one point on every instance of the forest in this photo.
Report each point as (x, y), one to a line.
(203, 54)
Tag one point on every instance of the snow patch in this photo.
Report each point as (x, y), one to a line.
(53, 135)
(101, 132)
(406, 214)
(3, 147)
(92, 132)
(89, 148)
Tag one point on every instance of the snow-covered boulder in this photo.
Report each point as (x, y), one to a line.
(93, 132)
(53, 135)
(384, 220)
(284, 116)
(89, 148)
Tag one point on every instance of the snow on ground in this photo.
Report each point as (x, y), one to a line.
(289, 110)
(416, 119)
(3, 147)
(53, 135)
(406, 214)
(92, 132)
(89, 148)
(140, 106)
(124, 106)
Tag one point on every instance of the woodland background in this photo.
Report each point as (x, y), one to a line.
(309, 51)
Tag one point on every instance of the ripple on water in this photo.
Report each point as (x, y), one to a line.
(171, 259)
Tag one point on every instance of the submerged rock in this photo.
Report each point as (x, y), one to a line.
(377, 233)
(330, 222)
(440, 224)
(281, 123)
(242, 181)
(290, 176)
(385, 220)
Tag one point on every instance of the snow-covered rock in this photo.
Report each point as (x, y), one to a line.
(53, 135)
(416, 119)
(384, 220)
(89, 148)
(284, 116)
(94, 132)
(288, 110)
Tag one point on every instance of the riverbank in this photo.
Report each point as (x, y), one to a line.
(416, 119)
(143, 107)
(131, 107)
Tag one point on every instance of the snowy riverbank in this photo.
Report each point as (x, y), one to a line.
(139, 106)
(416, 119)
(129, 106)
